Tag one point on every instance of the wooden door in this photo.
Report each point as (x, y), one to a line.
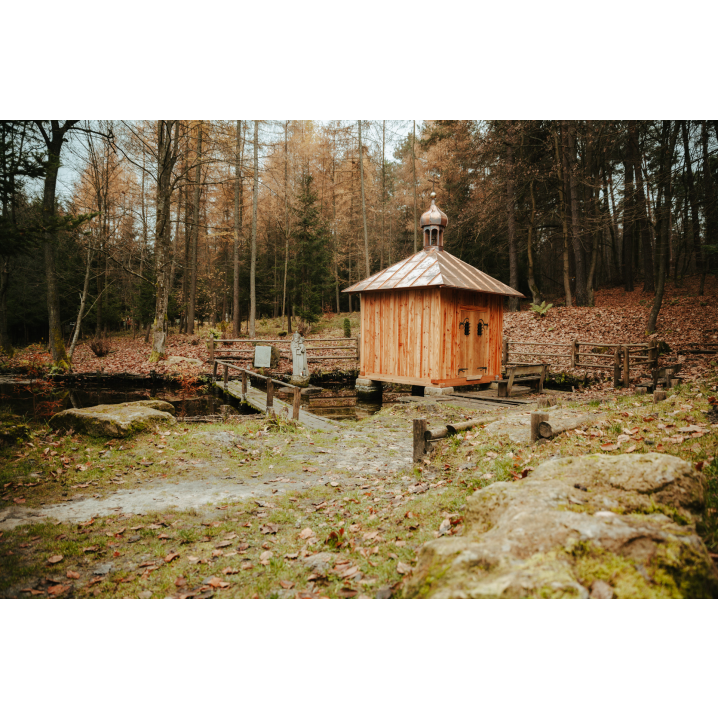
(474, 345)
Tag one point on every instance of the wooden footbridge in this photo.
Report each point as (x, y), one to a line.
(265, 401)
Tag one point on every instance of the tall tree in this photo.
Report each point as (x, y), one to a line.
(511, 216)
(663, 214)
(237, 229)
(363, 201)
(642, 219)
(564, 222)
(569, 127)
(54, 134)
(253, 265)
(413, 169)
(167, 153)
(192, 306)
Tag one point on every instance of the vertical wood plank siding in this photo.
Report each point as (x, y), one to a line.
(413, 335)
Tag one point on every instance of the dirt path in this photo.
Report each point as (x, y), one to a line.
(314, 460)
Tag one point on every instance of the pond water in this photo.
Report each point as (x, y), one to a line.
(335, 401)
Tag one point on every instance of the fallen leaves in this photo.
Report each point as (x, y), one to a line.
(306, 533)
(55, 559)
(171, 557)
(403, 568)
(269, 528)
(72, 574)
(58, 589)
(215, 582)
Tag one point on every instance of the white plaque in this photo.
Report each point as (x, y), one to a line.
(262, 356)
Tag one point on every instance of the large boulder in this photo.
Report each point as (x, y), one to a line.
(595, 526)
(116, 419)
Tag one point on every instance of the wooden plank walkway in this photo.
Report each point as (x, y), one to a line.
(258, 400)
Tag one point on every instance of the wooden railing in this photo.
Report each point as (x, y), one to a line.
(270, 385)
(224, 348)
(622, 358)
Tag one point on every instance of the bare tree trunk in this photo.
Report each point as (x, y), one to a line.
(286, 221)
(83, 300)
(511, 218)
(628, 221)
(693, 203)
(363, 202)
(569, 147)
(645, 231)
(535, 293)
(5, 343)
(253, 265)
(237, 228)
(383, 192)
(53, 143)
(168, 137)
(195, 233)
(711, 211)
(413, 166)
(564, 223)
(663, 213)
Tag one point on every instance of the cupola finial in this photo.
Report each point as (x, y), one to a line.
(433, 222)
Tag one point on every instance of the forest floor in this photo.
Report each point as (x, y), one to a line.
(254, 508)
(263, 509)
(618, 317)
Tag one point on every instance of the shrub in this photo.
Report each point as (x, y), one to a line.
(100, 347)
(347, 328)
(540, 310)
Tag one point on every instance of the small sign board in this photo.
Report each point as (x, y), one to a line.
(262, 356)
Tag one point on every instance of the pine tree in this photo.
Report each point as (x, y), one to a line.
(312, 255)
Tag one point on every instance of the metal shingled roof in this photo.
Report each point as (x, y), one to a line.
(430, 267)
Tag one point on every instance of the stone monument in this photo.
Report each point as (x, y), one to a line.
(300, 368)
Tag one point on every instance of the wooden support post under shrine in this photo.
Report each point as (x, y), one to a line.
(419, 439)
(270, 396)
(295, 403)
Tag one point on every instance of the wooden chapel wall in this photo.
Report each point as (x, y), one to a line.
(414, 333)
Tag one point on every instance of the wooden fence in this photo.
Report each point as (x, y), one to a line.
(620, 358)
(237, 349)
(270, 385)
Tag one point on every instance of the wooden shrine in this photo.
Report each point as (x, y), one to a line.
(431, 319)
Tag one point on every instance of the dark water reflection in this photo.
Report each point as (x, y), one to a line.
(335, 401)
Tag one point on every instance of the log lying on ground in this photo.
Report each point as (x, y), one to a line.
(549, 426)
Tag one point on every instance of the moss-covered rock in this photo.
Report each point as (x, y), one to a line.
(625, 521)
(116, 419)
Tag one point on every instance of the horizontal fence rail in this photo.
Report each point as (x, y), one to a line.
(619, 358)
(237, 349)
(270, 385)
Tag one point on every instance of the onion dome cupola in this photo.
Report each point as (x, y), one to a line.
(433, 222)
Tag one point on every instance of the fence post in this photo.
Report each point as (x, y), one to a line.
(419, 439)
(359, 348)
(211, 348)
(226, 376)
(214, 372)
(505, 353)
(653, 353)
(616, 368)
(626, 368)
(574, 354)
(295, 403)
(244, 386)
(270, 396)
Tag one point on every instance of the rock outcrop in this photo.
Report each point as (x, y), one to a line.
(595, 526)
(116, 419)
